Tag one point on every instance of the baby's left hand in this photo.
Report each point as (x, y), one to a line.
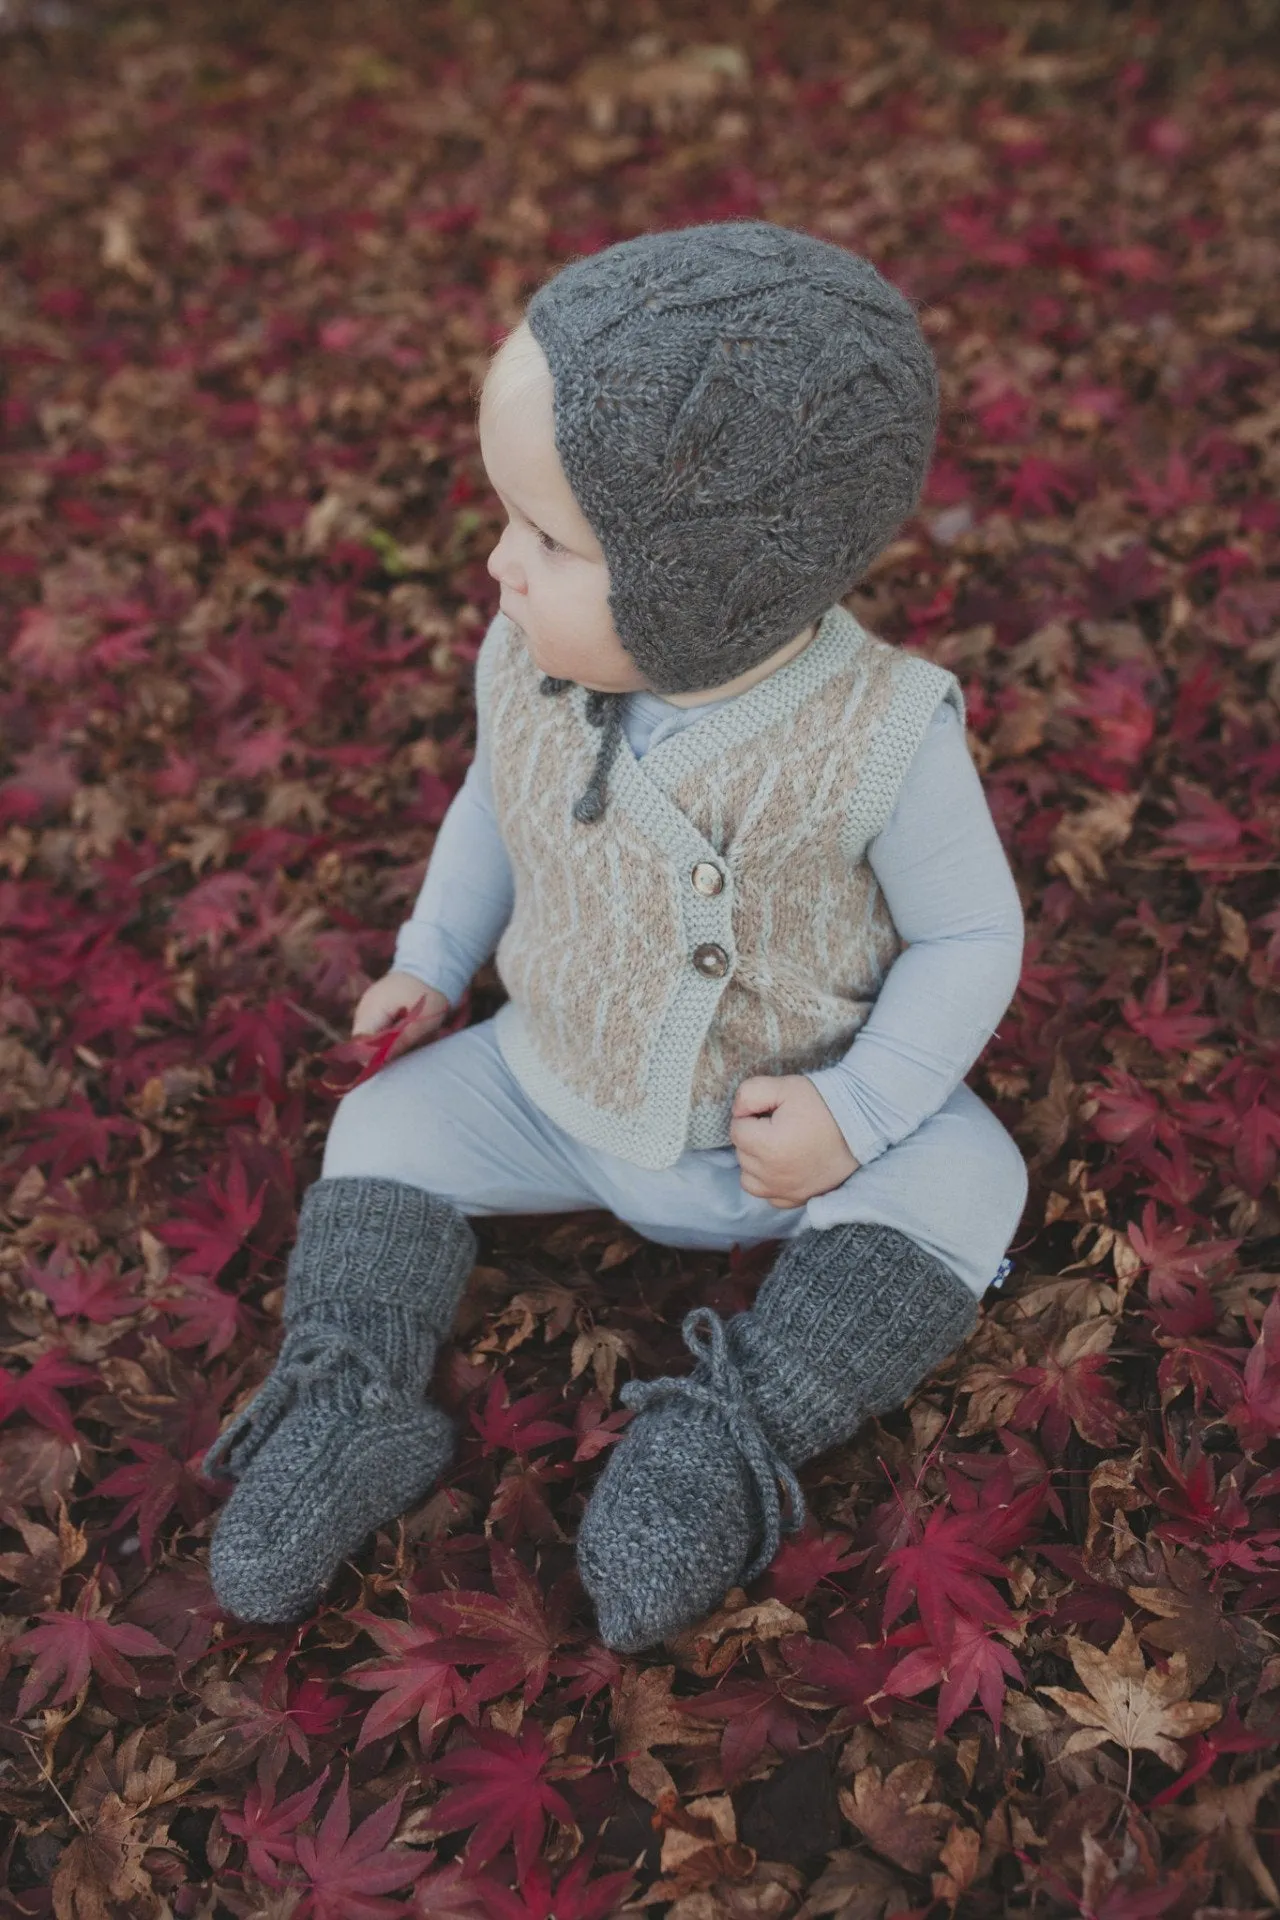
(793, 1152)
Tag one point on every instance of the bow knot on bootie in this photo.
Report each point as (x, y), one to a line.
(307, 1353)
(718, 1383)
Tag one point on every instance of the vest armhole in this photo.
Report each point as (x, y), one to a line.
(920, 685)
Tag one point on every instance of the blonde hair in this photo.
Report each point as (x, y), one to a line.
(517, 367)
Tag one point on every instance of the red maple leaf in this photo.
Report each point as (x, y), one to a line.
(65, 1139)
(977, 1663)
(155, 1482)
(757, 1713)
(208, 1316)
(513, 1633)
(1071, 1388)
(511, 1426)
(420, 1679)
(575, 1896)
(266, 1825)
(807, 1558)
(94, 1290)
(35, 1392)
(848, 1667)
(947, 1572)
(1205, 1368)
(1169, 1031)
(70, 1644)
(1256, 1415)
(508, 1794)
(348, 1872)
(1229, 1736)
(218, 1223)
(1176, 1271)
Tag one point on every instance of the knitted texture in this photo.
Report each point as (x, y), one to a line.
(849, 1320)
(340, 1437)
(746, 415)
(613, 1024)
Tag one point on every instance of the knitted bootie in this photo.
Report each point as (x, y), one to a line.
(847, 1322)
(340, 1437)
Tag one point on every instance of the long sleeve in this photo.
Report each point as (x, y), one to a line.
(467, 893)
(949, 889)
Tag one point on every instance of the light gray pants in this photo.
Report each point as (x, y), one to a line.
(451, 1117)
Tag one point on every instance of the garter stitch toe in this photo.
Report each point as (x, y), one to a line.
(688, 1502)
(341, 1437)
(847, 1322)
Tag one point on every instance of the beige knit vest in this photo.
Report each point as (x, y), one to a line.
(722, 919)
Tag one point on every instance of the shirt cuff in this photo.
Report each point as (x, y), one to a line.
(425, 953)
(862, 1140)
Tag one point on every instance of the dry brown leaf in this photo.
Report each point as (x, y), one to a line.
(1192, 1622)
(1230, 1814)
(960, 1853)
(1130, 1703)
(644, 1714)
(102, 1868)
(856, 1886)
(1081, 841)
(601, 1348)
(714, 1644)
(895, 1816)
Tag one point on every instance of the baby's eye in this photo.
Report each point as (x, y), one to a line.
(549, 545)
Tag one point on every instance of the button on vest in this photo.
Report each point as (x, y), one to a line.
(711, 960)
(707, 878)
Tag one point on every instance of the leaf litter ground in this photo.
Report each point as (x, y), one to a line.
(1026, 1656)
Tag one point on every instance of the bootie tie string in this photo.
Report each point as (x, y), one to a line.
(727, 1395)
(307, 1351)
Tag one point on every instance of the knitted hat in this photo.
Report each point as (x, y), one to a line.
(746, 415)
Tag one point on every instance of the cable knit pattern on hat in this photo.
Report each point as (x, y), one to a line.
(746, 415)
(722, 920)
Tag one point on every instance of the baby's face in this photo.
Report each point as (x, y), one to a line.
(548, 562)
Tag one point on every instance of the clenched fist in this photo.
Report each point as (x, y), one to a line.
(391, 997)
(788, 1145)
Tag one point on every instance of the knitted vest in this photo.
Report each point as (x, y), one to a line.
(721, 919)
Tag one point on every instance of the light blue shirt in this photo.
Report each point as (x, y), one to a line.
(945, 878)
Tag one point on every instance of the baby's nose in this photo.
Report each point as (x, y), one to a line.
(498, 566)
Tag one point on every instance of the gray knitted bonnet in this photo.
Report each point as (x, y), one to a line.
(746, 415)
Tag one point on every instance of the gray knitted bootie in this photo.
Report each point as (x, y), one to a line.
(340, 1436)
(849, 1320)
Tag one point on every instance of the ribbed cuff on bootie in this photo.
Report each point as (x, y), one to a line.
(384, 1261)
(849, 1319)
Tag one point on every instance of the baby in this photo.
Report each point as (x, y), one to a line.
(750, 911)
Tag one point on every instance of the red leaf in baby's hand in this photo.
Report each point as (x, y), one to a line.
(69, 1645)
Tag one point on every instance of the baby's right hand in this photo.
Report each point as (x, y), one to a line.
(387, 999)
